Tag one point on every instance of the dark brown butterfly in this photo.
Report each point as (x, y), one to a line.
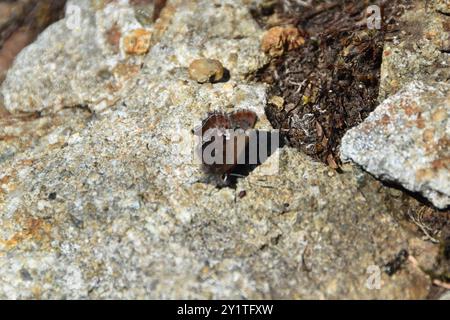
(220, 128)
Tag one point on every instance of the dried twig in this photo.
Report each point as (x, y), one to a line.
(418, 220)
(441, 284)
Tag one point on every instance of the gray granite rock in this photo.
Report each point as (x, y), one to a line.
(118, 209)
(419, 51)
(413, 156)
(406, 140)
(114, 228)
(442, 6)
(73, 62)
(445, 296)
(20, 133)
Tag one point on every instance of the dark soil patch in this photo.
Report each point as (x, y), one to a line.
(329, 84)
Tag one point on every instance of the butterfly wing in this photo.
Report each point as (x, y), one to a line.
(212, 128)
(243, 119)
(221, 122)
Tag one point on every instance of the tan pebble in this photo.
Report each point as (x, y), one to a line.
(26, 162)
(394, 84)
(277, 101)
(206, 70)
(122, 70)
(233, 58)
(228, 86)
(278, 39)
(5, 180)
(424, 174)
(428, 135)
(439, 115)
(439, 164)
(137, 41)
(395, 193)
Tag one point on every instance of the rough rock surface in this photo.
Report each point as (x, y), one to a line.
(32, 131)
(420, 51)
(407, 140)
(442, 6)
(415, 156)
(81, 69)
(446, 296)
(20, 23)
(111, 227)
(116, 208)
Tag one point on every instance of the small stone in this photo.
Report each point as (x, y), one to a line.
(25, 275)
(396, 193)
(277, 101)
(278, 39)
(206, 70)
(272, 43)
(137, 42)
(52, 196)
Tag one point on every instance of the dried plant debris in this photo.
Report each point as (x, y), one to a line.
(331, 82)
(428, 221)
(433, 227)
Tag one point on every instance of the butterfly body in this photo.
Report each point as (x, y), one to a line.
(227, 132)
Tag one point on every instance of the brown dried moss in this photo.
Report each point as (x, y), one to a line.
(330, 84)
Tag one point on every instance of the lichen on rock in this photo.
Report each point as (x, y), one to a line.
(406, 140)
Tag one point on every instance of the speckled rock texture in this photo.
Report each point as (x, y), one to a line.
(39, 132)
(113, 206)
(76, 61)
(406, 140)
(415, 156)
(446, 296)
(442, 6)
(112, 227)
(420, 50)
